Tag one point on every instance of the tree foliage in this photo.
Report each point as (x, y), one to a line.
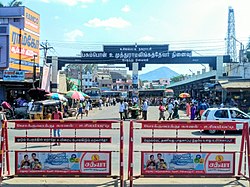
(70, 84)
(13, 3)
(177, 78)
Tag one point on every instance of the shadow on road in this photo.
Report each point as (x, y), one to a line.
(232, 183)
(35, 146)
(114, 183)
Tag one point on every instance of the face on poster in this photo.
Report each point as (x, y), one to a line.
(63, 162)
(187, 163)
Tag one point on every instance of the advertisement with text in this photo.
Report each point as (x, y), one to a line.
(64, 163)
(32, 21)
(24, 48)
(182, 163)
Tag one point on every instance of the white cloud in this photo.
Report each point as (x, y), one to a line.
(56, 17)
(113, 22)
(69, 2)
(147, 38)
(126, 8)
(73, 35)
(84, 6)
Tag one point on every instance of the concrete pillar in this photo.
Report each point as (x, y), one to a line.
(135, 75)
(203, 71)
(219, 67)
(54, 74)
(198, 72)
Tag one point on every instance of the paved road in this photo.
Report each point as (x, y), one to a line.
(111, 113)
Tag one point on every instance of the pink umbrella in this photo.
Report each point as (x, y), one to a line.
(75, 95)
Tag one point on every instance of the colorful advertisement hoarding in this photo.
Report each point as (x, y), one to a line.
(27, 51)
(32, 21)
(63, 163)
(188, 163)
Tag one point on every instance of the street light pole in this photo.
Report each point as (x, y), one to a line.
(34, 69)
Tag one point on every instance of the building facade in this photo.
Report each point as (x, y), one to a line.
(19, 49)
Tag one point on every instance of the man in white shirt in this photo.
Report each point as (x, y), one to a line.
(30, 104)
(170, 110)
(121, 110)
(144, 109)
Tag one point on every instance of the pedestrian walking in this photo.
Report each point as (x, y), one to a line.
(87, 108)
(80, 110)
(57, 115)
(2, 114)
(162, 111)
(125, 109)
(193, 112)
(100, 104)
(121, 110)
(176, 111)
(170, 110)
(144, 109)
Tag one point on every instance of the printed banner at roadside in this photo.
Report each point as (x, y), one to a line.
(63, 163)
(188, 163)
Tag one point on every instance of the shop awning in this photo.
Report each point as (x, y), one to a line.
(240, 85)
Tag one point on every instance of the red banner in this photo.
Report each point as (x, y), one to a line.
(189, 125)
(182, 163)
(63, 162)
(57, 124)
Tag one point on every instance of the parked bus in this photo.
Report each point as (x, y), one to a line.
(95, 95)
(115, 94)
(163, 93)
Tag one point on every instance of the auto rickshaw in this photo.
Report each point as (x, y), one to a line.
(44, 109)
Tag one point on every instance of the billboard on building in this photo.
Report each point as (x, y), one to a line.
(24, 48)
(31, 21)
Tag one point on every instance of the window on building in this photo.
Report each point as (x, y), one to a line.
(16, 19)
(86, 80)
(4, 20)
(3, 29)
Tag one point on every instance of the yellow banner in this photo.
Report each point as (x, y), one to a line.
(32, 21)
(28, 50)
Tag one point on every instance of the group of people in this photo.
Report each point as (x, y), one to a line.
(172, 107)
(32, 163)
(127, 107)
(156, 164)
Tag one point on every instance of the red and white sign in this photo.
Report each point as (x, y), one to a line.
(63, 163)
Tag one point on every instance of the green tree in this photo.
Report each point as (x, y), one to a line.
(177, 78)
(70, 84)
(12, 3)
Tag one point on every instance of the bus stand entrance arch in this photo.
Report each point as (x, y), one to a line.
(135, 57)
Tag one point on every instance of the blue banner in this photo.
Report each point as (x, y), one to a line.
(13, 75)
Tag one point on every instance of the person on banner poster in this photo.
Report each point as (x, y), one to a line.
(34, 162)
(57, 115)
(25, 163)
(158, 160)
(151, 159)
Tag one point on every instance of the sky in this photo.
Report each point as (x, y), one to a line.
(199, 25)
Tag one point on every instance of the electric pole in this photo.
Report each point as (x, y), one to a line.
(45, 47)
